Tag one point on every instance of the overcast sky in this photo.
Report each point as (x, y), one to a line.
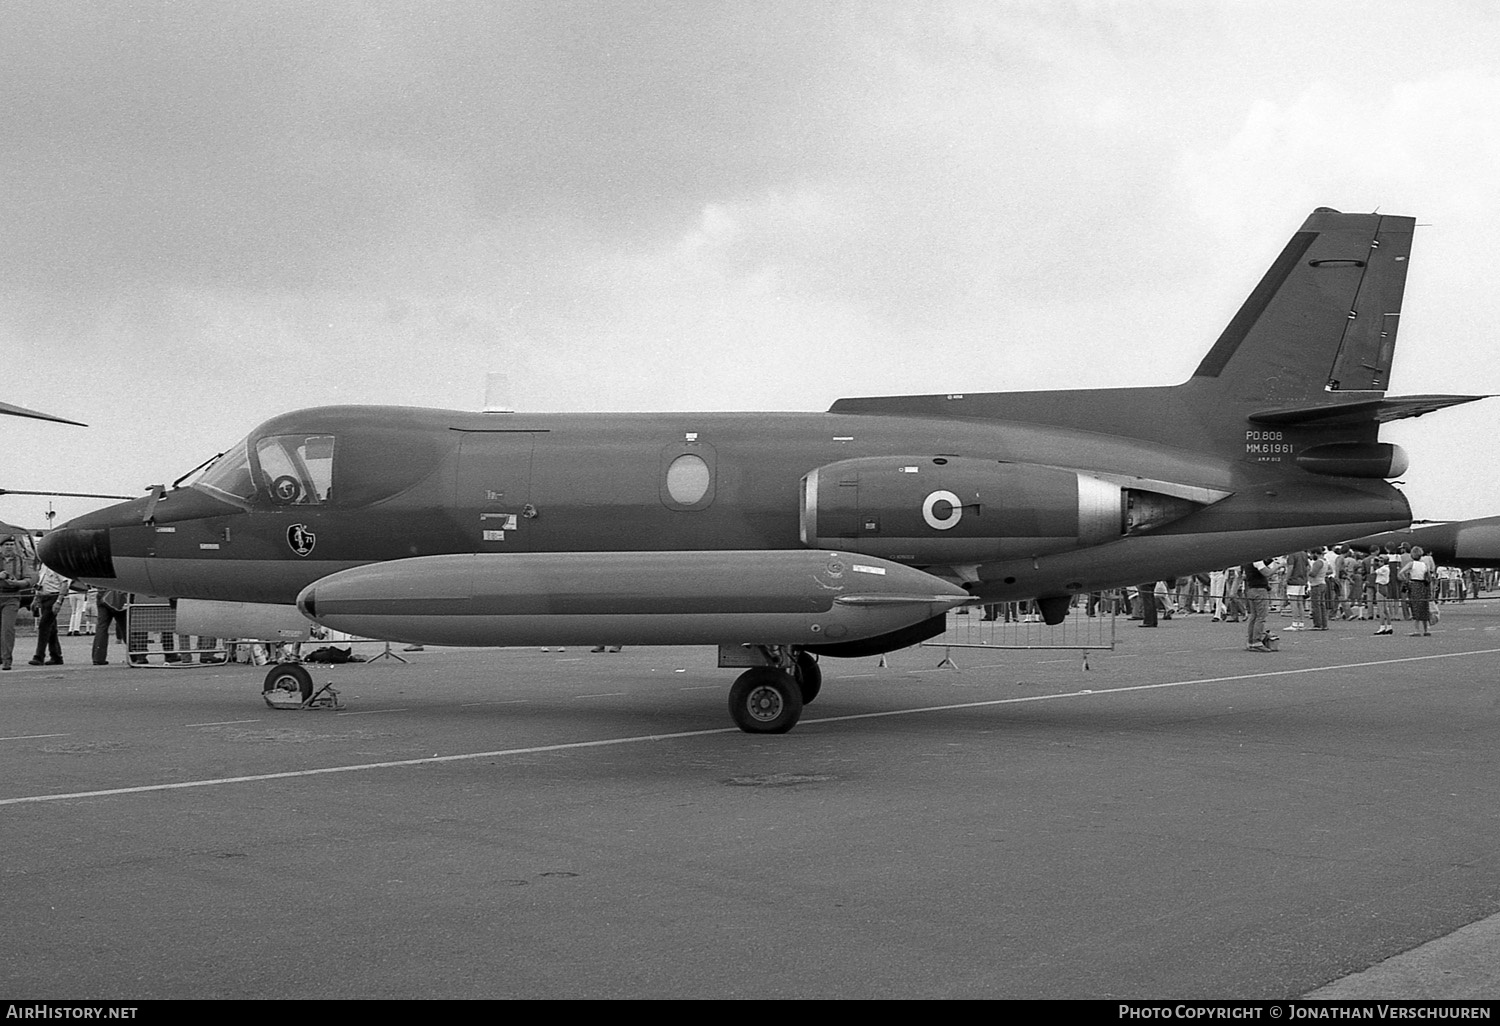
(217, 212)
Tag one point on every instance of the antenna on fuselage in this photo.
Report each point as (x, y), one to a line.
(497, 393)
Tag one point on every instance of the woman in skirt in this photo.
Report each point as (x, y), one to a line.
(1418, 577)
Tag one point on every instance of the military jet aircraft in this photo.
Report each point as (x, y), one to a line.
(787, 537)
(1463, 543)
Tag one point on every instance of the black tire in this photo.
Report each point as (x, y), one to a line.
(809, 676)
(765, 701)
(289, 677)
(286, 490)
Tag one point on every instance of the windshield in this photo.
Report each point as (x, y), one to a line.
(283, 470)
(229, 477)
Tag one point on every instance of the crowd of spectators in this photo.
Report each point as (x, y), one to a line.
(1311, 588)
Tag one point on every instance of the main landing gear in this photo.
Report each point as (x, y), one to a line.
(769, 699)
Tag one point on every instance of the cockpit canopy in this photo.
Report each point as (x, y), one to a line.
(355, 465)
(284, 470)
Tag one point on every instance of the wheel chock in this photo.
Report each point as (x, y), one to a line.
(325, 697)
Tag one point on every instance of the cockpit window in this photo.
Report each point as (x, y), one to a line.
(283, 470)
(229, 476)
(298, 469)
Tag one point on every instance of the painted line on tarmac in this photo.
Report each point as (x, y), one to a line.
(429, 761)
(220, 723)
(31, 737)
(610, 742)
(1094, 692)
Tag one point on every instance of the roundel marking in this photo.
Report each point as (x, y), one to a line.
(955, 511)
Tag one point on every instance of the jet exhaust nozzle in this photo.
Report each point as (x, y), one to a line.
(1355, 459)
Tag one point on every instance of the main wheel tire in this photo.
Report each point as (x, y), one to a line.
(289, 677)
(809, 676)
(765, 701)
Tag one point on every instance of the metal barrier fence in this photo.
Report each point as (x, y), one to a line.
(147, 620)
(1078, 631)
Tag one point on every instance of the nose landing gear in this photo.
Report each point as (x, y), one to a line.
(289, 686)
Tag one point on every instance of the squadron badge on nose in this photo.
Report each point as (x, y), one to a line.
(300, 539)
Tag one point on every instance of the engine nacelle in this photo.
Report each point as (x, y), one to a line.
(1355, 459)
(952, 509)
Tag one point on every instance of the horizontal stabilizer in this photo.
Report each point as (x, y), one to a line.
(1366, 411)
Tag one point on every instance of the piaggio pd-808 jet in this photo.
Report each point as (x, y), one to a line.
(783, 538)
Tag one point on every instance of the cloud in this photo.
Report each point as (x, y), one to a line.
(1426, 148)
(1417, 142)
(216, 214)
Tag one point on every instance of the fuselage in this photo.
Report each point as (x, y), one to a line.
(375, 484)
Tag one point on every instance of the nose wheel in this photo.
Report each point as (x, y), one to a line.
(765, 700)
(289, 686)
(285, 680)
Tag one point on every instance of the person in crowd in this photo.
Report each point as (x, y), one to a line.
(1417, 573)
(110, 607)
(1216, 603)
(1448, 587)
(1257, 577)
(1369, 567)
(78, 603)
(1146, 600)
(1353, 568)
(51, 588)
(1397, 579)
(1317, 589)
(1337, 602)
(1166, 602)
(1387, 588)
(17, 579)
(1234, 595)
(1296, 590)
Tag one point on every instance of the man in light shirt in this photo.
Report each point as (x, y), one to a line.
(51, 587)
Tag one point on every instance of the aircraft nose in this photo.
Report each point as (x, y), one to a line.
(78, 552)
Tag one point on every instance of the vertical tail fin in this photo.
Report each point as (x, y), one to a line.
(1307, 357)
(1325, 315)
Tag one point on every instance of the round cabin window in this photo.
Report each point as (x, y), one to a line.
(688, 480)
